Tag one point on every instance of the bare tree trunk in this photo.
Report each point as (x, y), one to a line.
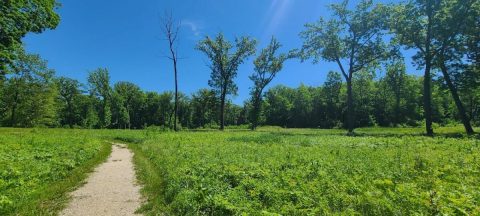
(350, 113)
(176, 95)
(171, 29)
(456, 98)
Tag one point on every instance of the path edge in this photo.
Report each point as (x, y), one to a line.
(55, 199)
(150, 180)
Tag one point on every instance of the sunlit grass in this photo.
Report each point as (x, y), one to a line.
(39, 166)
(308, 171)
(380, 171)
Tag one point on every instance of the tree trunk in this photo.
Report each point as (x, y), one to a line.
(256, 111)
(350, 114)
(427, 79)
(176, 96)
(456, 98)
(222, 108)
(427, 98)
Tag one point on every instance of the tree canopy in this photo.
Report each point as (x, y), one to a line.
(19, 18)
(267, 65)
(224, 64)
(353, 39)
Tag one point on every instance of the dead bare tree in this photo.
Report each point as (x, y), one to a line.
(170, 29)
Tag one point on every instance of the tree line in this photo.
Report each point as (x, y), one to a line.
(34, 96)
(370, 88)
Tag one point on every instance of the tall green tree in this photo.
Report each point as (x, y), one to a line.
(431, 27)
(17, 18)
(224, 65)
(267, 65)
(469, 78)
(30, 93)
(456, 20)
(69, 93)
(351, 38)
(413, 27)
(131, 99)
(99, 83)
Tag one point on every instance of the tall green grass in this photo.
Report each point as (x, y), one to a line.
(38, 167)
(381, 171)
(309, 172)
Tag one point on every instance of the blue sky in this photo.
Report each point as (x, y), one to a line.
(125, 37)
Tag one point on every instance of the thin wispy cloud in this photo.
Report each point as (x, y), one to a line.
(275, 15)
(194, 26)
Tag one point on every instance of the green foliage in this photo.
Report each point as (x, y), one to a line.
(352, 38)
(224, 65)
(224, 61)
(434, 29)
(39, 166)
(309, 172)
(69, 101)
(29, 93)
(34, 97)
(204, 108)
(267, 65)
(99, 83)
(279, 106)
(332, 89)
(129, 98)
(17, 18)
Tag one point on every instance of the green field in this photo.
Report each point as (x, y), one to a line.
(39, 166)
(238, 172)
(309, 172)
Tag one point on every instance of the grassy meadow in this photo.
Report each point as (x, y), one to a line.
(309, 172)
(39, 166)
(272, 171)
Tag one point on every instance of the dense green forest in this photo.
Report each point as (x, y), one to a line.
(371, 88)
(35, 96)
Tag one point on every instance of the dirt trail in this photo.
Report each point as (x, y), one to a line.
(110, 190)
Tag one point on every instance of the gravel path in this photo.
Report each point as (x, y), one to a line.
(110, 190)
